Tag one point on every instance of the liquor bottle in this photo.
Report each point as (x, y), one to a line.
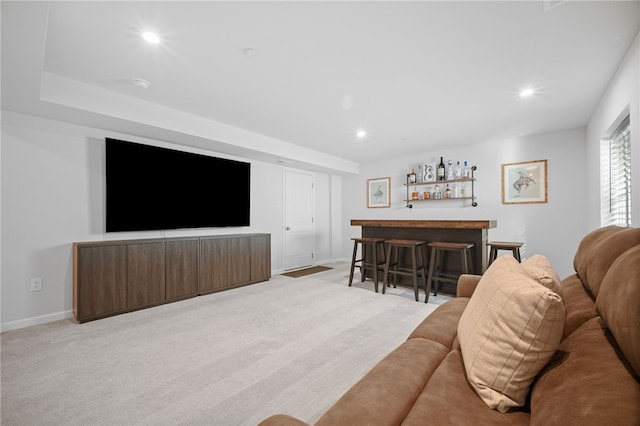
(466, 173)
(450, 170)
(456, 190)
(463, 189)
(441, 170)
(436, 192)
(457, 171)
(412, 176)
(414, 194)
(447, 192)
(420, 177)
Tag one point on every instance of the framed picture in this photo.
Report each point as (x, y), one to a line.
(524, 182)
(378, 192)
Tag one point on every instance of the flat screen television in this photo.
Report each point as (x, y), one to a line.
(153, 188)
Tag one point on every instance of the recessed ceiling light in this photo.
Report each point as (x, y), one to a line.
(361, 133)
(141, 83)
(151, 37)
(250, 51)
(526, 92)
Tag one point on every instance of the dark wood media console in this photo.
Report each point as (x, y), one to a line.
(113, 277)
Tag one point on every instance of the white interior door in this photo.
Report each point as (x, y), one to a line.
(298, 219)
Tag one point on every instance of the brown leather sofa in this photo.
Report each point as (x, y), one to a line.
(592, 379)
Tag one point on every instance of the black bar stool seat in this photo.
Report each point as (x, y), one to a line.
(363, 263)
(435, 264)
(418, 252)
(494, 246)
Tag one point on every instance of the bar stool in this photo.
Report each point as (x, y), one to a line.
(494, 246)
(374, 264)
(418, 250)
(435, 264)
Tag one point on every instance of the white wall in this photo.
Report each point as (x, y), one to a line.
(53, 195)
(553, 229)
(622, 94)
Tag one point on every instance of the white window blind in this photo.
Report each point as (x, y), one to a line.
(620, 175)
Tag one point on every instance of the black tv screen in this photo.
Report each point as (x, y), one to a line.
(153, 188)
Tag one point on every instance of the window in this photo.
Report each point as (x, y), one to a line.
(617, 185)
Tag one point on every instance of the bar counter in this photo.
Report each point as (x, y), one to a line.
(456, 231)
(430, 224)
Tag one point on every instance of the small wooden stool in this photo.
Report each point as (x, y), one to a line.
(418, 262)
(494, 246)
(374, 265)
(437, 248)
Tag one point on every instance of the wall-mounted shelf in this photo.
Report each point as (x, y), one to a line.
(441, 199)
(472, 179)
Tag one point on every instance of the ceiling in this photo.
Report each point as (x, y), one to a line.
(418, 76)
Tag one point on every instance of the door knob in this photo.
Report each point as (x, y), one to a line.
(288, 228)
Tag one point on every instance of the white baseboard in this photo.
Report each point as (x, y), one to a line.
(326, 261)
(42, 319)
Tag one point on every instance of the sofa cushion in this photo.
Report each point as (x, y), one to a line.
(442, 324)
(579, 304)
(388, 391)
(595, 263)
(583, 253)
(508, 332)
(539, 268)
(586, 383)
(618, 303)
(448, 399)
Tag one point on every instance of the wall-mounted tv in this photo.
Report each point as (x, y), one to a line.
(153, 188)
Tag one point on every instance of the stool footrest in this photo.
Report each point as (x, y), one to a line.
(449, 278)
(368, 264)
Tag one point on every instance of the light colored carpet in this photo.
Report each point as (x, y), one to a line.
(231, 358)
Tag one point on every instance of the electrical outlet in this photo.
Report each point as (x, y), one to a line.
(35, 284)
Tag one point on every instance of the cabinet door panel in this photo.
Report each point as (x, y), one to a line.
(145, 274)
(239, 260)
(182, 268)
(213, 264)
(260, 257)
(102, 280)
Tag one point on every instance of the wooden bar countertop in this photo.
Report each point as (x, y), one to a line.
(430, 224)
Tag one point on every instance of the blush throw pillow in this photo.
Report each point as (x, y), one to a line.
(508, 332)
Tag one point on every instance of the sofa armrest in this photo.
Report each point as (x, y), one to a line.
(282, 420)
(467, 284)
